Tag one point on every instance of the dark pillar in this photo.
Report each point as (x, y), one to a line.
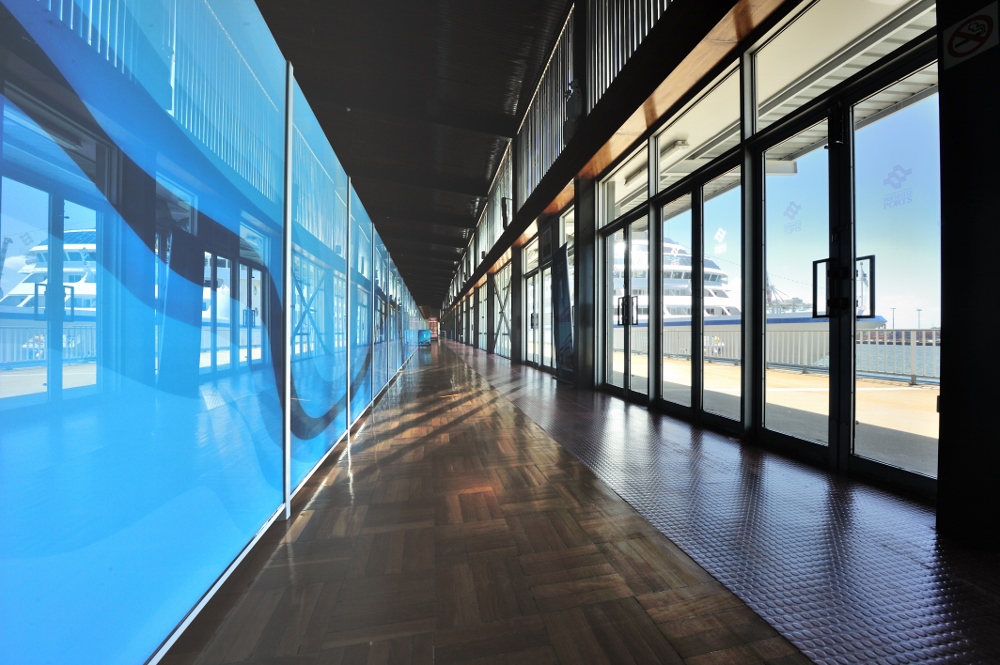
(517, 305)
(584, 279)
(491, 323)
(969, 456)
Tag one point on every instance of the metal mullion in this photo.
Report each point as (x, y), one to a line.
(348, 339)
(697, 299)
(842, 261)
(655, 281)
(286, 289)
(754, 316)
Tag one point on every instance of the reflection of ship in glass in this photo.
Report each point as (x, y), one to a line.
(26, 300)
(721, 305)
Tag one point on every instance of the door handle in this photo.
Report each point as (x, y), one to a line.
(619, 315)
(635, 310)
(71, 293)
(39, 290)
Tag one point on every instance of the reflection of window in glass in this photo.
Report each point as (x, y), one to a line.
(828, 43)
(627, 187)
(531, 256)
(702, 131)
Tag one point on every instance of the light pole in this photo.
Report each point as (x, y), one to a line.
(893, 317)
(918, 318)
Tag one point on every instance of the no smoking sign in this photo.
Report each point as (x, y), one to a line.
(971, 36)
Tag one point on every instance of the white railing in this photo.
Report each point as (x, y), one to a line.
(27, 345)
(899, 353)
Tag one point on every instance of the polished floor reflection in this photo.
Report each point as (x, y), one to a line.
(454, 529)
(847, 572)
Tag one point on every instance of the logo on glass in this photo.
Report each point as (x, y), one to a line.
(899, 196)
(897, 176)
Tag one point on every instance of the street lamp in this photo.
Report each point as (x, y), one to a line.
(893, 317)
(918, 318)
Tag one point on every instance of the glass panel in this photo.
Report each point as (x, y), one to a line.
(24, 274)
(361, 306)
(638, 306)
(79, 336)
(246, 320)
(548, 359)
(627, 188)
(223, 309)
(828, 43)
(677, 280)
(898, 219)
(703, 131)
(257, 348)
(531, 320)
(482, 303)
(531, 256)
(723, 242)
(107, 106)
(614, 318)
(797, 346)
(207, 314)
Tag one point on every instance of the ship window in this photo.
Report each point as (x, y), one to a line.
(73, 278)
(12, 301)
(36, 278)
(734, 311)
(91, 278)
(74, 256)
(720, 293)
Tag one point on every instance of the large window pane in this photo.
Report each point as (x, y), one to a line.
(797, 346)
(723, 292)
(319, 292)
(626, 188)
(139, 139)
(677, 287)
(898, 195)
(831, 41)
(700, 133)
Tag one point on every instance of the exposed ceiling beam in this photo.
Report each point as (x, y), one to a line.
(496, 125)
(420, 217)
(359, 168)
(394, 235)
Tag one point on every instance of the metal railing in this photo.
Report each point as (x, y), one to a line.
(615, 28)
(22, 346)
(909, 354)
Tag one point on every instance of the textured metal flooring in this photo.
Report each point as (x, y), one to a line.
(847, 572)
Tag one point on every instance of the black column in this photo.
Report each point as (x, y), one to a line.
(584, 279)
(517, 305)
(491, 324)
(969, 456)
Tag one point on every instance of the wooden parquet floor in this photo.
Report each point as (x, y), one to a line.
(453, 529)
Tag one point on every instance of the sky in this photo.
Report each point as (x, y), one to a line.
(897, 216)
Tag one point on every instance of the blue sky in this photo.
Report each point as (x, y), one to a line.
(899, 224)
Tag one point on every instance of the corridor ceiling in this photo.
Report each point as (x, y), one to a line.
(419, 100)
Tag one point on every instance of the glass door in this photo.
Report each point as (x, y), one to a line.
(638, 306)
(897, 318)
(797, 233)
(545, 316)
(532, 319)
(614, 314)
(252, 347)
(626, 310)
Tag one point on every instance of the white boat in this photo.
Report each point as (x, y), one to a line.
(720, 303)
(26, 300)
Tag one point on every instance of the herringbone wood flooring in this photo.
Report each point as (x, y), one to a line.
(453, 529)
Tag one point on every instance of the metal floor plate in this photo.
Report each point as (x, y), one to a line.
(848, 572)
